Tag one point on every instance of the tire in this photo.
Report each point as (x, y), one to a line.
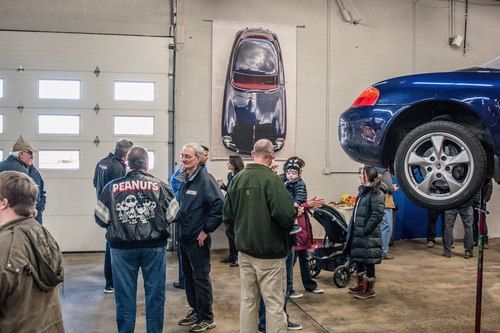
(341, 276)
(440, 165)
(313, 267)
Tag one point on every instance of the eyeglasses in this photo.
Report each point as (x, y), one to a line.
(292, 172)
(186, 156)
(30, 153)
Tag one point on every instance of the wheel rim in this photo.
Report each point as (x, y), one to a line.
(439, 165)
(313, 268)
(342, 276)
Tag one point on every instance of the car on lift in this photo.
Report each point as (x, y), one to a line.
(440, 132)
(254, 105)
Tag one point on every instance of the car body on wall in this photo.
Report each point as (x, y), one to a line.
(441, 131)
(254, 105)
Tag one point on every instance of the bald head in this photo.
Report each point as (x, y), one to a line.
(263, 152)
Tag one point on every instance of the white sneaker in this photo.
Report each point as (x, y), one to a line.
(295, 295)
(317, 291)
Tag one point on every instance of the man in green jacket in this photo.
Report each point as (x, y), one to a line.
(259, 214)
(30, 262)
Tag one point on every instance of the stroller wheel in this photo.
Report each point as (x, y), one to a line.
(313, 267)
(341, 276)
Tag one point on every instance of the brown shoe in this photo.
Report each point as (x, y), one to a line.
(369, 291)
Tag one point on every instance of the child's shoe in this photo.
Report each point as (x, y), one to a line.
(295, 229)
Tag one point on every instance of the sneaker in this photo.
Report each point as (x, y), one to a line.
(179, 285)
(293, 326)
(317, 291)
(226, 260)
(234, 264)
(468, 255)
(295, 229)
(447, 255)
(387, 257)
(294, 294)
(190, 319)
(452, 246)
(430, 244)
(486, 246)
(202, 325)
(109, 289)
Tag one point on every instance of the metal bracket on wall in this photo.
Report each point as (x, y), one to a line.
(97, 71)
(97, 108)
(20, 108)
(97, 141)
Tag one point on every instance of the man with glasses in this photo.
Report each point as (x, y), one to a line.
(20, 158)
(175, 185)
(201, 202)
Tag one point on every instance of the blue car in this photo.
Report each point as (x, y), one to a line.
(439, 131)
(254, 104)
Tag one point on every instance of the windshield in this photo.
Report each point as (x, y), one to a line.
(256, 57)
(495, 63)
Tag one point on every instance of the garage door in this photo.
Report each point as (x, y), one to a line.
(73, 96)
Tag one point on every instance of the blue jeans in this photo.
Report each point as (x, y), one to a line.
(305, 273)
(451, 215)
(289, 286)
(108, 270)
(386, 230)
(198, 286)
(126, 264)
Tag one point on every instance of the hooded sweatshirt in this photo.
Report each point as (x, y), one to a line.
(30, 272)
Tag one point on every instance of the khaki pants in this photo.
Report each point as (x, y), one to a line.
(266, 277)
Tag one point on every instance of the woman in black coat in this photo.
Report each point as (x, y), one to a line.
(364, 236)
(234, 165)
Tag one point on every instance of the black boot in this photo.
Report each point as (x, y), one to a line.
(360, 284)
(369, 292)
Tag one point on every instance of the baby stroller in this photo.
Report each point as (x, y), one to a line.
(330, 256)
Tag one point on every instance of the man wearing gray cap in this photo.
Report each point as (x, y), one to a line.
(20, 158)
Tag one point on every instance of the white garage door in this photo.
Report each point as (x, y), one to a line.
(52, 95)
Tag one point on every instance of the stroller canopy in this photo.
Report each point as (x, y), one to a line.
(333, 222)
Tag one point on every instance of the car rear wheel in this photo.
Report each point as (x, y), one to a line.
(440, 165)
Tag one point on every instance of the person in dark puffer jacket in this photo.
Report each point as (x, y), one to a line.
(365, 238)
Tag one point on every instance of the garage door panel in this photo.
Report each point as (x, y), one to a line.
(70, 52)
(70, 193)
(76, 233)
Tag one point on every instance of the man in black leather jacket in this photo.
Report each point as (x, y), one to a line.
(136, 210)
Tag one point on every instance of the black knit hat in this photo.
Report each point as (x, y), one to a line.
(292, 165)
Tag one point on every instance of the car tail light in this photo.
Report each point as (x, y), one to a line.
(367, 98)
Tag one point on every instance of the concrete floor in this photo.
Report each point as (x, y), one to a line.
(418, 291)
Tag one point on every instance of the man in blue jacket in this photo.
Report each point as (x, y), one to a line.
(201, 203)
(175, 185)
